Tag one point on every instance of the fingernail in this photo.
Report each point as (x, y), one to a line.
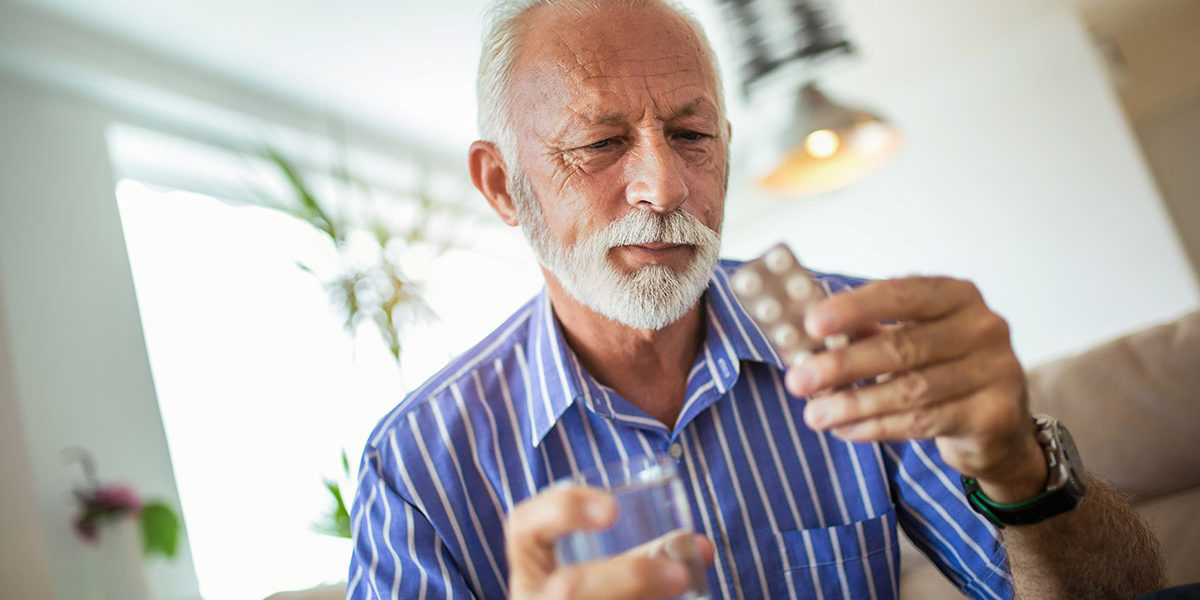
(849, 432)
(675, 573)
(599, 510)
(817, 414)
(680, 547)
(819, 322)
(801, 378)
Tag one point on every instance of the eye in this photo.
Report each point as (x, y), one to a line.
(691, 136)
(600, 145)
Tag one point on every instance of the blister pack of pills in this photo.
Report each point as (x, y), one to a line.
(777, 291)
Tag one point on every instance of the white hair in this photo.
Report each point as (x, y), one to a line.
(504, 30)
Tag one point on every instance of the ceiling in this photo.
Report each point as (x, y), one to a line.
(408, 66)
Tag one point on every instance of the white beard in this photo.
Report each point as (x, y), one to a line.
(651, 297)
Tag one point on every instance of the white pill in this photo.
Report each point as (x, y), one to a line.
(797, 356)
(786, 336)
(779, 260)
(834, 342)
(747, 282)
(767, 310)
(799, 287)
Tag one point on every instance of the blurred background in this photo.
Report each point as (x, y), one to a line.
(233, 234)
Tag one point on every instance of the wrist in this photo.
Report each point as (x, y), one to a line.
(1007, 498)
(1021, 477)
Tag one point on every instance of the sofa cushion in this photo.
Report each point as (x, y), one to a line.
(1176, 522)
(1133, 406)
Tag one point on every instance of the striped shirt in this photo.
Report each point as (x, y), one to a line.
(793, 513)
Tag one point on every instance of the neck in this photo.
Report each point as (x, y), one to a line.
(649, 368)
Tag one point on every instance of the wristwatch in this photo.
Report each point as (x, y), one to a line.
(1065, 486)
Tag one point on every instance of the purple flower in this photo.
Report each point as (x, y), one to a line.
(118, 498)
(104, 504)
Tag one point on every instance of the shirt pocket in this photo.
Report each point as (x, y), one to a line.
(855, 560)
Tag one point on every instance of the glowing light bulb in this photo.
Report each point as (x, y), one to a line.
(872, 137)
(821, 143)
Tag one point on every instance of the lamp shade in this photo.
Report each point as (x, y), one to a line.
(827, 146)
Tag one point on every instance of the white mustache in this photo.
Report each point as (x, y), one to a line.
(646, 227)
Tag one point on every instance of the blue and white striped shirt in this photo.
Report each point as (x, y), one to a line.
(793, 513)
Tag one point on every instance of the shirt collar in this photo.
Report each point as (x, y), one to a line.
(552, 383)
(554, 373)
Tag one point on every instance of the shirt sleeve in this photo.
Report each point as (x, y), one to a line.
(934, 513)
(397, 552)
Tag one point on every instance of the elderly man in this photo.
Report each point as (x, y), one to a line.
(606, 141)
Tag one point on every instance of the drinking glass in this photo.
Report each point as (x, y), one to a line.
(652, 512)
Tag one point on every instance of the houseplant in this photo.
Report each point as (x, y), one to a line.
(369, 287)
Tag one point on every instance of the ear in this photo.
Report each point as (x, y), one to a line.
(728, 132)
(489, 173)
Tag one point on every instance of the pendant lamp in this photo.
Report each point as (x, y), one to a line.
(825, 145)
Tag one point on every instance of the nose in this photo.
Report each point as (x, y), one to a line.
(653, 177)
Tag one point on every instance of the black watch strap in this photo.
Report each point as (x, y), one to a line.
(1034, 510)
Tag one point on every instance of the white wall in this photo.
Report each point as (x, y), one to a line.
(24, 563)
(1018, 171)
(1171, 143)
(75, 372)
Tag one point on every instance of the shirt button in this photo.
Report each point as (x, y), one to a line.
(676, 450)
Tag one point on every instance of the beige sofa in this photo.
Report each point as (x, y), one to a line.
(1133, 406)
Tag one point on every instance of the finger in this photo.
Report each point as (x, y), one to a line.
(693, 550)
(870, 330)
(897, 349)
(535, 524)
(913, 298)
(623, 577)
(918, 424)
(692, 547)
(981, 415)
(681, 546)
(684, 547)
(904, 392)
(705, 549)
(678, 544)
(558, 511)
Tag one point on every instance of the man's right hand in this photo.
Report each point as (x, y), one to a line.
(534, 525)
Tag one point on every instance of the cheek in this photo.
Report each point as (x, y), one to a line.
(572, 218)
(707, 198)
(592, 201)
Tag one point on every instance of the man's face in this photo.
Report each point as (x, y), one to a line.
(622, 159)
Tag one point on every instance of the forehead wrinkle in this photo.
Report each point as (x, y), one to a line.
(695, 100)
(611, 65)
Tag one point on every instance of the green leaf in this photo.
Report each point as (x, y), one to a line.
(315, 214)
(160, 530)
(343, 525)
(345, 462)
(337, 521)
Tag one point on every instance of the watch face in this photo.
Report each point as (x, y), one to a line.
(1077, 483)
(1062, 457)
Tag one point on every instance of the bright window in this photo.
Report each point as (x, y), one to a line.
(260, 387)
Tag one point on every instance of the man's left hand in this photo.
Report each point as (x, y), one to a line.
(946, 371)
